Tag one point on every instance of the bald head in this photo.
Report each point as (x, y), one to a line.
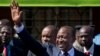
(87, 29)
(67, 29)
(49, 34)
(85, 35)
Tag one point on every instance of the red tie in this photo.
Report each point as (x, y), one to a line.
(87, 53)
(5, 51)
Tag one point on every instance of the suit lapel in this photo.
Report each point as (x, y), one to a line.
(49, 49)
(56, 51)
(9, 48)
(78, 53)
(96, 50)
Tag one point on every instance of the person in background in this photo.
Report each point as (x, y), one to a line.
(84, 37)
(10, 46)
(48, 34)
(48, 37)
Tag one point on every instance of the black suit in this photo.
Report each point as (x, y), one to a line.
(96, 51)
(78, 53)
(16, 48)
(32, 44)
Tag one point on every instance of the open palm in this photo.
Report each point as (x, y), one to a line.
(15, 12)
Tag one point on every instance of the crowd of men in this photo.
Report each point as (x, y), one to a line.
(63, 41)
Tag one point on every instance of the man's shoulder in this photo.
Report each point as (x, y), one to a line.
(78, 53)
(17, 45)
(96, 47)
(16, 42)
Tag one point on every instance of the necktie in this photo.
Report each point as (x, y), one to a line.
(5, 51)
(87, 53)
(65, 54)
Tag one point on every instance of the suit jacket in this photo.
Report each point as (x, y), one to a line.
(33, 45)
(57, 52)
(80, 51)
(50, 48)
(76, 52)
(16, 48)
(96, 50)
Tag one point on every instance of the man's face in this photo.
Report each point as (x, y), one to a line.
(63, 40)
(5, 34)
(84, 37)
(47, 36)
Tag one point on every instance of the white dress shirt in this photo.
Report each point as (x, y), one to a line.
(71, 52)
(19, 29)
(91, 50)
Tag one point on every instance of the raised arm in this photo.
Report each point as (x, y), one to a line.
(15, 13)
(30, 42)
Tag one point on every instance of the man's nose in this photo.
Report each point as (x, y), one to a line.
(83, 38)
(4, 34)
(45, 38)
(60, 39)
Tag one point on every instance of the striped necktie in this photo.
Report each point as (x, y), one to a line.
(5, 51)
(87, 53)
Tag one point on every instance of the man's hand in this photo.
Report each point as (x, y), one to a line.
(15, 13)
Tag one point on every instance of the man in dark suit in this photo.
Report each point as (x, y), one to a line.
(84, 37)
(64, 40)
(29, 42)
(10, 46)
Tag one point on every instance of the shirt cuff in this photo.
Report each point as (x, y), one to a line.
(19, 29)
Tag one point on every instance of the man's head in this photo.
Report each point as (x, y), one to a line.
(49, 34)
(85, 35)
(6, 31)
(65, 38)
(5, 22)
(6, 34)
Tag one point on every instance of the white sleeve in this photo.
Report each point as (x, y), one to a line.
(19, 29)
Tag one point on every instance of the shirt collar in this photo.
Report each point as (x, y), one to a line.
(71, 52)
(62, 52)
(91, 50)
